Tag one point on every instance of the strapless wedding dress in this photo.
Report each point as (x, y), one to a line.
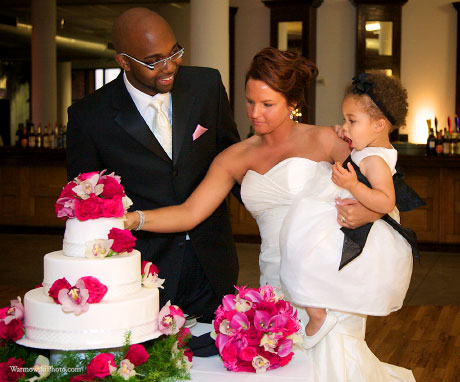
(343, 354)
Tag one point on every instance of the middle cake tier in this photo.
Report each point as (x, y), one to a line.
(121, 273)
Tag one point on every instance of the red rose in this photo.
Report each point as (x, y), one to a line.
(8, 371)
(137, 354)
(183, 336)
(152, 270)
(189, 354)
(82, 378)
(96, 289)
(99, 365)
(268, 307)
(123, 240)
(4, 312)
(88, 208)
(285, 360)
(111, 187)
(67, 190)
(245, 366)
(113, 208)
(13, 331)
(86, 175)
(253, 336)
(247, 354)
(56, 287)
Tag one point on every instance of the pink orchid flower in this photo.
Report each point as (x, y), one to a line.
(253, 296)
(75, 299)
(170, 319)
(278, 322)
(239, 322)
(15, 312)
(65, 207)
(126, 369)
(85, 188)
(269, 341)
(260, 364)
(284, 347)
(228, 302)
(150, 277)
(225, 328)
(221, 341)
(261, 320)
(99, 248)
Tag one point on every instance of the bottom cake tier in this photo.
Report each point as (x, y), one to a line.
(104, 325)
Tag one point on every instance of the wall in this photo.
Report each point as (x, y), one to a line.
(428, 63)
(252, 33)
(335, 57)
(178, 16)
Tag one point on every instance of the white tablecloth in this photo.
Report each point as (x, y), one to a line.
(211, 369)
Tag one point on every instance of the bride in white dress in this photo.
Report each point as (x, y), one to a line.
(273, 167)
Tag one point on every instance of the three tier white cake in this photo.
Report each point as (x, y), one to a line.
(126, 307)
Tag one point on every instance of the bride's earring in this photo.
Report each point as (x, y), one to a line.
(291, 116)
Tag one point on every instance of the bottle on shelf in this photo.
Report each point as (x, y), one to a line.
(46, 137)
(439, 140)
(445, 142)
(54, 141)
(64, 136)
(451, 137)
(17, 142)
(457, 129)
(431, 141)
(32, 139)
(59, 137)
(23, 137)
(39, 137)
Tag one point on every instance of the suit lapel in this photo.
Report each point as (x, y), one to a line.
(182, 106)
(129, 119)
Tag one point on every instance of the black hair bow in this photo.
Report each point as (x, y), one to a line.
(361, 84)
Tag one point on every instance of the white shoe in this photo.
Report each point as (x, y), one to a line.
(328, 324)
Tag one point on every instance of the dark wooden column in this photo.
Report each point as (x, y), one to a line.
(457, 89)
(304, 11)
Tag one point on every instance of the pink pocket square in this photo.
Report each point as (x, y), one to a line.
(199, 131)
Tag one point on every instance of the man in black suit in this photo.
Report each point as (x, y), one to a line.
(115, 128)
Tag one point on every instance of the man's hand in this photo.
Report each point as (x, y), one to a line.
(352, 214)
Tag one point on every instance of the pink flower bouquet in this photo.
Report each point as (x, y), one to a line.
(256, 330)
(92, 195)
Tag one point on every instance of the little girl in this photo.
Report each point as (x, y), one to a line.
(311, 241)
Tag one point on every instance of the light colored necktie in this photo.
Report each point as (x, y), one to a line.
(162, 127)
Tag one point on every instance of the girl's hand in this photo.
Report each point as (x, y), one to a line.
(344, 178)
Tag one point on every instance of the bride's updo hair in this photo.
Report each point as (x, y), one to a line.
(285, 72)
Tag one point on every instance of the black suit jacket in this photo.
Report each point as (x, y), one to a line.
(106, 131)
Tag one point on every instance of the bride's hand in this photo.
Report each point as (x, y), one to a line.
(131, 220)
(352, 214)
(339, 130)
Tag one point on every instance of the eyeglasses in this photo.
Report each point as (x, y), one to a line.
(160, 63)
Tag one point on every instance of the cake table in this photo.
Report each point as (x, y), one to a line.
(211, 369)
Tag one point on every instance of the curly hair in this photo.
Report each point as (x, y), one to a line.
(285, 72)
(390, 94)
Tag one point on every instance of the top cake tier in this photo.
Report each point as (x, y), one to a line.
(79, 233)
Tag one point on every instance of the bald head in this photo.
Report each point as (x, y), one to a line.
(139, 26)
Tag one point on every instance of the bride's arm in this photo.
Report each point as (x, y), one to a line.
(200, 204)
